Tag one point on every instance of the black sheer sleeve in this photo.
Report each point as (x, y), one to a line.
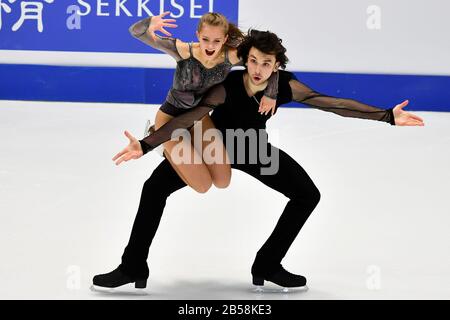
(271, 90)
(214, 97)
(341, 106)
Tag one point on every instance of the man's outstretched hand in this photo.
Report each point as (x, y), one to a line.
(403, 118)
(132, 151)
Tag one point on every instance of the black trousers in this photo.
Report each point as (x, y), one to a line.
(291, 180)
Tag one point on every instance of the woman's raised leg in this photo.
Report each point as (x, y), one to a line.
(213, 151)
(185, 159)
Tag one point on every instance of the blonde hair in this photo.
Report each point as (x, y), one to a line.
(235, 35)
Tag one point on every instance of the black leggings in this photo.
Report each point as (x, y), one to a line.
(291, 180)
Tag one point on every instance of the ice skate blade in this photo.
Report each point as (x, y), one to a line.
(263, 289)
(119, 290)
(147, 128)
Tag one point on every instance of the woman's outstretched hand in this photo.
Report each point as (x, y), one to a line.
(158, 24)
(403, 118)
(267, 105)
(132, 151)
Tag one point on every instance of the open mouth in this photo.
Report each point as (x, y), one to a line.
(210, 53)
(257, 78)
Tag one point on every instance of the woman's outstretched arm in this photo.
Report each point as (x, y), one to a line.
(144, 30)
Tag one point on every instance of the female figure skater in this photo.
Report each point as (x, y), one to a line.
(199, 67)
(237, 108)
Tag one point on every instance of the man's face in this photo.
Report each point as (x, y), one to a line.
(260, 66)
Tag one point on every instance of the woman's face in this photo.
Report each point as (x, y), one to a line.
(211, 39)
(260, 66)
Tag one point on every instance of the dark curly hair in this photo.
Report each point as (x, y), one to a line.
(265, 41)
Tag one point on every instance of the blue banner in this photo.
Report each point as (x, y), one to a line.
(97, 25)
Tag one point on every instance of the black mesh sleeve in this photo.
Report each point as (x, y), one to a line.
(214, 97)
(341, 106)
(271, 90)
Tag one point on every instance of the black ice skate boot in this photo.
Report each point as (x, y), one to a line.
(281, 278)
(114, 279)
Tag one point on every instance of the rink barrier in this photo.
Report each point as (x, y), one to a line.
(150, 86)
